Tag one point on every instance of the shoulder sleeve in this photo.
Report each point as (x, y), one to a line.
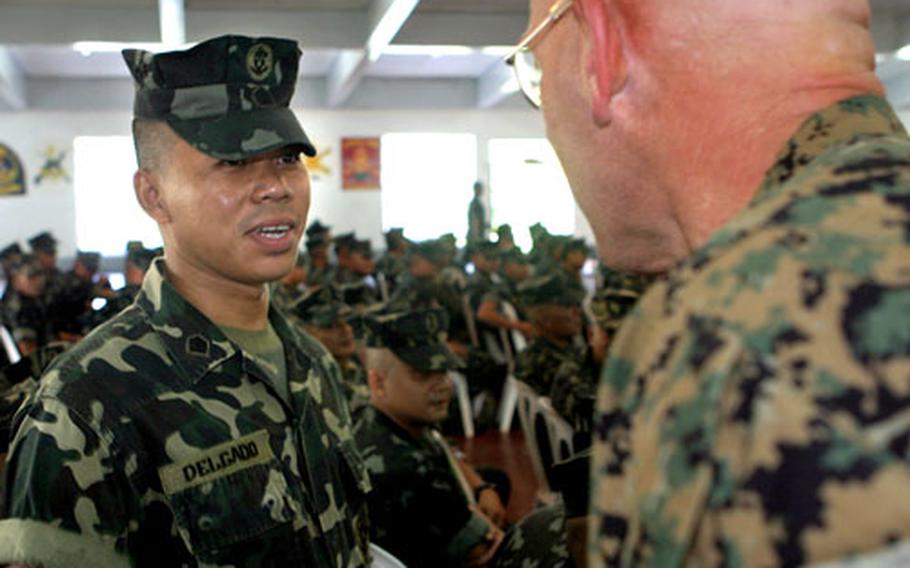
(64, 497)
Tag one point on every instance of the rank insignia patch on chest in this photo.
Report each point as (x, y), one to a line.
(216, 462)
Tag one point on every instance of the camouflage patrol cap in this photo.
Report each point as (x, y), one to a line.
(344, 241)
(43, 242)
(316, 241)
(416, 337)
(142, 257)
(317, 228)
(504, 231)
(571, 245)
(487, 248)
(28, 265)
(515, 256)
(364, 247)
(432, 250)
(11, 251)
(320, 307)
(90, 260)
(227, 97)
(549, 289)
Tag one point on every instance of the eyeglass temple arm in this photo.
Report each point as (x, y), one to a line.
(556, 11)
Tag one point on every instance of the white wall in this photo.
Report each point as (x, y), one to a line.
(51, 205)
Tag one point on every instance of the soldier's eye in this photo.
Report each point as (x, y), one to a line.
(291, 158)
(232, 163)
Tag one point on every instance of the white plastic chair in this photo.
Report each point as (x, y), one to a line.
(528, 404)
(460, 383)
(382, 558)
(9, 346)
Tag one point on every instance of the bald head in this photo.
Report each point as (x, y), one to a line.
(667, 113)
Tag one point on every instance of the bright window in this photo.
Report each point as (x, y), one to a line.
(107, 213)
(427, 183)
(527, 186)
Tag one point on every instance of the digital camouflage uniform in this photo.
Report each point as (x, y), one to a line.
(754, 408)
(155, 441)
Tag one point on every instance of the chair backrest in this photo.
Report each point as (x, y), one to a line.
(519, 341)
(559, 432)
(10, 349)
(383, 284)
(469, 319)
(529, 416)
(382, 558)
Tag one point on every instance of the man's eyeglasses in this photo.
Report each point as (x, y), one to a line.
(522, 60)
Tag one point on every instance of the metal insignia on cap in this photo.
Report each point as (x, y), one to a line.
(432, 323)
(259, 61)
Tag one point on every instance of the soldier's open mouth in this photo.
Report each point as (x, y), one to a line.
(274, 232)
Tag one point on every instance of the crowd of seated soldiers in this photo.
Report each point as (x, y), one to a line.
(491, 292)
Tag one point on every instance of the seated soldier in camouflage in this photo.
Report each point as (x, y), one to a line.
(197, 427)
(319, 269)
(25, 307)
(138, 260)
(556, 316)
(287, 291)
(321, 315)
(486, 291)
(422, 507)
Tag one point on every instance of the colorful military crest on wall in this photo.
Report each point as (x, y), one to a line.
(12, 174)
(52, 169)
(360, 163)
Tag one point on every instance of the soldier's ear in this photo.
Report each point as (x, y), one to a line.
(147, 186)
(603, 52)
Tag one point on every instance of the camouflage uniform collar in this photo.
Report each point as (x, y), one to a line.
(838, 124)
(193, 341)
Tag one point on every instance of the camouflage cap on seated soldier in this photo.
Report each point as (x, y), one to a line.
(416, 337)
(432, 250)
(227, 97)
(28, 265)
(43, 242)
(321, 308)
(11, 251)
(515, 256)
(548, 289)
(142, 257)
(317, 228)
(90, 260)
(363, 248)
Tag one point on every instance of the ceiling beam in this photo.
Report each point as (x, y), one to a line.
(467, 29)
(38, 25)
(12, 82)
(172, 22)
(386, 18)
(496, 85)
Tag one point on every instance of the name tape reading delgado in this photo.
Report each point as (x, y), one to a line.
(216, 462)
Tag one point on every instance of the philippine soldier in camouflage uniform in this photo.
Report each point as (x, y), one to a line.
(288, 291)
(478, 221)
(324, 317)
(9, 256)
(25, 308)
(44, 247)
(486, 292)
(138, 260)
(394, 262)
(422, 504)
(556, 316)
(753, 409)
(319, 270)
(196, 427)
(573, 256)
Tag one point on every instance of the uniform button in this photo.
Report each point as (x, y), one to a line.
(206, 523)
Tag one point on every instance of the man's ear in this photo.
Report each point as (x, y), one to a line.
(147, 186)
(604, 61)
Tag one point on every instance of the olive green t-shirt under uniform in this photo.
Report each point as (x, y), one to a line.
(266, 347)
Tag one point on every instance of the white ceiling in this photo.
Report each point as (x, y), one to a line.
(441, 40)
